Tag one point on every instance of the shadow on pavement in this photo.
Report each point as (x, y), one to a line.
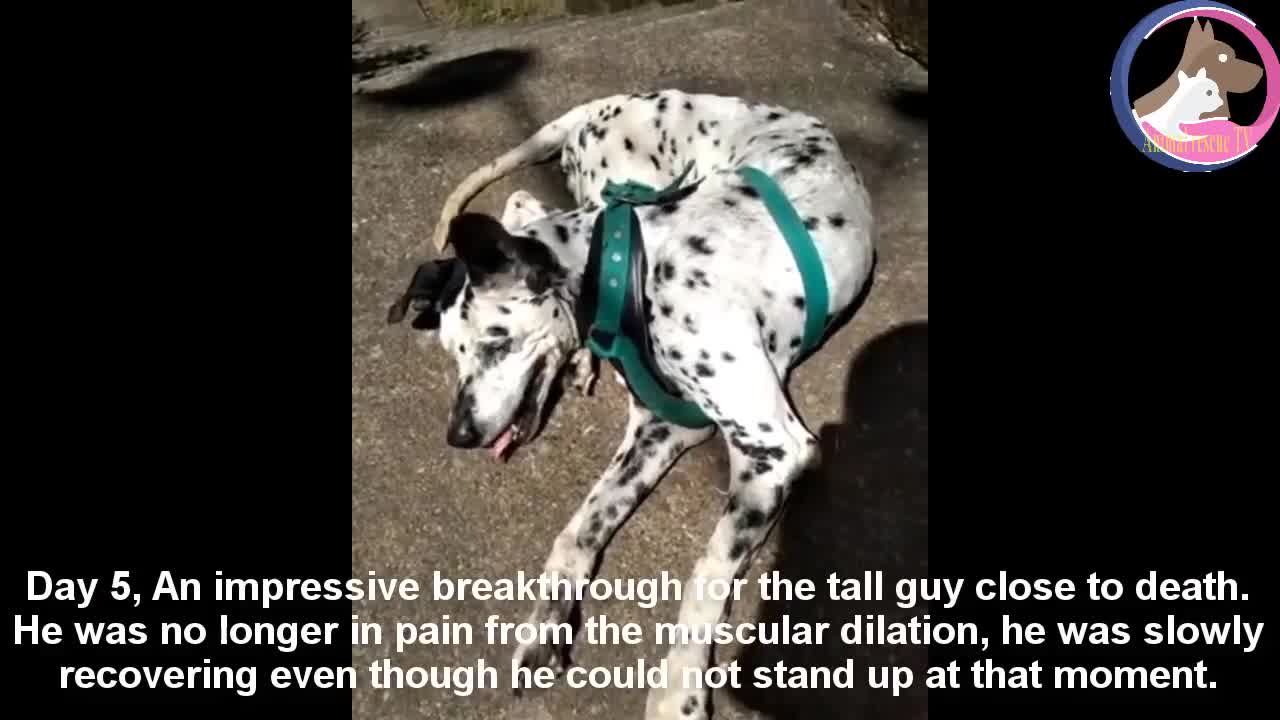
(865, 509)
(456, 81)
(911, 103)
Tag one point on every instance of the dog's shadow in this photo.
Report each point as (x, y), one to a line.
(864, 509)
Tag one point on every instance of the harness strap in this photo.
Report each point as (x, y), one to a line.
(803, 249)
(613, 288)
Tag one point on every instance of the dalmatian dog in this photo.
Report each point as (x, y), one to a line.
(725, 308)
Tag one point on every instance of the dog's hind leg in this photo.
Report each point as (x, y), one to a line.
(768, 449)
(647, 451)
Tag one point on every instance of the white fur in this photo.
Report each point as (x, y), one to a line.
(1196, 95)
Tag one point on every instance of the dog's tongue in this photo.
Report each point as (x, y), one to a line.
(500, 446)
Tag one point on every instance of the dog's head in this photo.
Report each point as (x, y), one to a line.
(500, 308)
(1219, 59)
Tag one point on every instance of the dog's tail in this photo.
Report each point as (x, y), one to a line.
(543, 145)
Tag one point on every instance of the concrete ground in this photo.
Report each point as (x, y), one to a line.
(419, 506)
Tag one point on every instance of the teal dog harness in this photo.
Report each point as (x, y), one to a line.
(612, 307)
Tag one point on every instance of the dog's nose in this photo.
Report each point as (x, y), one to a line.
(463, 433)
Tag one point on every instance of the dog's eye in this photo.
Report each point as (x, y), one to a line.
(1208, 92)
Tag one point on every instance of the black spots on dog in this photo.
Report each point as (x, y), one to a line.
(675, 354)
(616, 112)
(654, 159)
(837, 220)
(813, 139)
(727, 356)
(740, 547)
(759, 318)
(630, 146)
(811, 223)
(697, 278)
(627, 460)
(689, 325)
(773, 116)
(716, 142)
(746, 476)
(491, 354)
(592, 174)
(818, 126)
(766, 427)
(795, 342)
(604, 163)
(555, 312)
(750, 519)
(730, 202)
(533, 233)
(703, 354)
(749, 191)
(664, 271)
(757, 451)
(582, 139)
(690, 705)
(657, 123)
(662, 104)
(773, 341)
(791, 418)
(688, 140)
(761, 467)
(698, 244)
(462, 349)
(704, 370)
(665, 310)
(798, 302)
(562, 232)
(702, 127)
(497, 331)
(660, 433)
(670, 208)
(651, 96)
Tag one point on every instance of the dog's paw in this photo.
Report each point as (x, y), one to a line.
(584, 371)
(548, 616)
(677, 704)
(534, 655)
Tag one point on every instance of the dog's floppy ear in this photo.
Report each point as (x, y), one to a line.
(486, 249)
(480, 243)
(433, 285)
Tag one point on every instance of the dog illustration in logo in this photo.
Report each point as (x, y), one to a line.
(1203, 58)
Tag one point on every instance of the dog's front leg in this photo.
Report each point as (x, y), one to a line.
(768, 449)
(645, 454)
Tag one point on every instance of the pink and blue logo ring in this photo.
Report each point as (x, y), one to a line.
(1217, 12)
